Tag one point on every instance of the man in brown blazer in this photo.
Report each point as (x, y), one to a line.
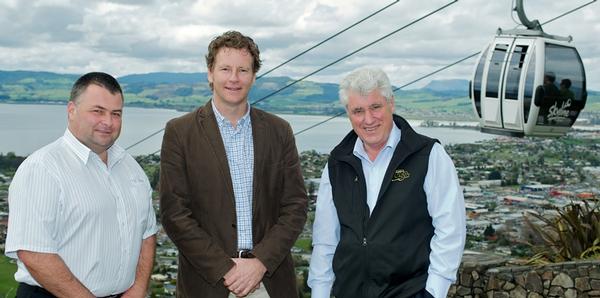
(232, 196)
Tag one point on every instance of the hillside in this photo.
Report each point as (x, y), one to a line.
(440, 99)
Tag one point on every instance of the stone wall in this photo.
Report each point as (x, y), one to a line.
(493, 277)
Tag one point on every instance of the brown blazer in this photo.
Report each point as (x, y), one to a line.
(197, 202)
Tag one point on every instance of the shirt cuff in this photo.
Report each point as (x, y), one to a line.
(321, 291)
(437, 285)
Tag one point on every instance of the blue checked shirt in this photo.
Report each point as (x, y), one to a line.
(239, 147)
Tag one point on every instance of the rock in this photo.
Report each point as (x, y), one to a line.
(562, 280)
(534, 295)
(594, 293)
(571, 293)
(595, 272)
(534, 282)
(462, 291)
(508, 286)
(518, 292)
(506, 276)
(595, 284)
(478, 283)
(475, 275)
(520, 280)
(583, 271)
(556, 292)
(492, 284)
(466, 280)
(547, 275)
(582, 284)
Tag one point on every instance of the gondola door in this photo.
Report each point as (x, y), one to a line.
(491, 109)
(513, 82)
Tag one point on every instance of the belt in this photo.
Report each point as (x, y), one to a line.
(244, 254)
(27, 290)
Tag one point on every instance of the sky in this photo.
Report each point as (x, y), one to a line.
(124, 37)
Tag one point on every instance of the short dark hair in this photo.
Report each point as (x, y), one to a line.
(101, 79)
(566, 83)
(234, 40)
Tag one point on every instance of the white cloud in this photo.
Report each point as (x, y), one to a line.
(129, 36)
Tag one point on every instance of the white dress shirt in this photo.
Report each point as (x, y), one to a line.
(64, 200)
(445, 204)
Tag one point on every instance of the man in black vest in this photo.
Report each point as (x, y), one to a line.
(390, 217)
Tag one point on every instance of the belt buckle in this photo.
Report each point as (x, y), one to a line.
(244, 254)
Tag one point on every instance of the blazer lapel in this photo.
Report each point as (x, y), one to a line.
(210, 129)
(259, 137)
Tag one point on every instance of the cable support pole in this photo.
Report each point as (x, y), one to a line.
(327, 39)
(353, 52)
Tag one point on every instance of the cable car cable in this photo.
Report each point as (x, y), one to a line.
(568, 12)
(434, 72)
(327, 39)
(326, 66)
(352, 53)
(337, 115)
(394, 90)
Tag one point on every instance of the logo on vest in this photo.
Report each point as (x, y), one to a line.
(400, 175)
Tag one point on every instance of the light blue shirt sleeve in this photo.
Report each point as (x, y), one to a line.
(326, 235)
(446, 206)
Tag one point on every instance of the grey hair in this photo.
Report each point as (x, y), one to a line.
(364, 81)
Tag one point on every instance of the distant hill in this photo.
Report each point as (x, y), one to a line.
(8, 77)
(163, 78)
(440, 99)
(448, 85)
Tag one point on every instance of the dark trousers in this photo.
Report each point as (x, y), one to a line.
(422, 294)
(28, 291)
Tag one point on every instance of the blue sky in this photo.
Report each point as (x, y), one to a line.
(127, 36)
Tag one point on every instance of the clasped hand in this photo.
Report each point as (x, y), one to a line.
(245, 276)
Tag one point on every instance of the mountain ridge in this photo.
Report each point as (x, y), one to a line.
(441, 99)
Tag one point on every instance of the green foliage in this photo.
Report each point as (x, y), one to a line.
(304, 243)
(312, 163)
(8, 285)
(573, 234)
(495, 175)
(10, 162)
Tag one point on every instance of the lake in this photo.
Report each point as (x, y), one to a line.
(25, 128)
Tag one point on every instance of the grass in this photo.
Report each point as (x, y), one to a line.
(8, 285)
(305, 244)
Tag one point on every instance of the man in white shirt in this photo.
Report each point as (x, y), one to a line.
(81, 221)
(390, 216)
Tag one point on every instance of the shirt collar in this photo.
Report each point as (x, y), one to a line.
(221, 120)
(115, 152)
(392, 142)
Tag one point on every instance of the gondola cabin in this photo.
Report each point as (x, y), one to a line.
(528, 85)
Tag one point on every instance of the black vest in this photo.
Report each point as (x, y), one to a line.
(386, 254)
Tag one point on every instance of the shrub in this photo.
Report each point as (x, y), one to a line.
(572, 234)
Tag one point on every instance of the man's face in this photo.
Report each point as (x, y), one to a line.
(371, 118)
(95, 118)
(232, 76)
